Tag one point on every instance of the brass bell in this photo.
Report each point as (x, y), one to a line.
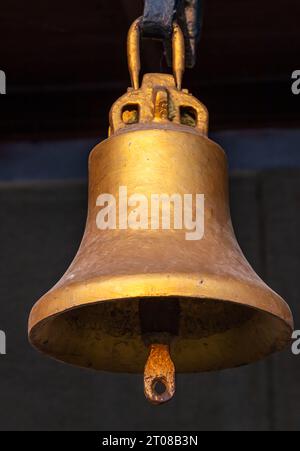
(152, 290)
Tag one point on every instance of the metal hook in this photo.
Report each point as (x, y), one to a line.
(133, 53)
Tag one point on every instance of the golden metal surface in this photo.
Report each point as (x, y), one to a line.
(178, 45)
(158, 104)
(227, 316)
(133, 53)
(129, 289)
(159, 375)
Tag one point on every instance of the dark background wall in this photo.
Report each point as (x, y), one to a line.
(65, 65)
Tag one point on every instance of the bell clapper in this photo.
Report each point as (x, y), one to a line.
(159, 375)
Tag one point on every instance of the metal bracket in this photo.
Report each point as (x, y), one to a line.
(158, 24)
(158, 18)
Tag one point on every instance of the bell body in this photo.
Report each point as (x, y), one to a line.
(129, 286)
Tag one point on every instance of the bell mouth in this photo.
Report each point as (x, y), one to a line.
(204, 334)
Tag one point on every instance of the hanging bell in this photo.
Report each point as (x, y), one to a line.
(159, 283)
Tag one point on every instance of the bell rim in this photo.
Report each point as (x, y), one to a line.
(280, 320)
(149, 285)
(281, 344)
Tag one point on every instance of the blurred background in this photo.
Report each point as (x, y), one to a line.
(65, 64)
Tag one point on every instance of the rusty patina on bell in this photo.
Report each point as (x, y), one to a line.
(150, 297)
